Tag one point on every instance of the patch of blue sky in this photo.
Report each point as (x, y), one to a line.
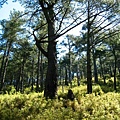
(7, 7)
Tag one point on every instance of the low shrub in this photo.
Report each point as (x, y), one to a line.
(9, 89)
(33, 106)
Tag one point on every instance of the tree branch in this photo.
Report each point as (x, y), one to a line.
(39, 46)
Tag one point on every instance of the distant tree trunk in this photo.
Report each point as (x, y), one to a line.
(118, 66)
(5, 63)
(69, 65)
(38, 72)
(32, 74)
(89, 73)
(20, 78)
(66, 76)
(82, 73)
(1, 71)
(95, 68)
(115, 66)
(60, 74)
(17, 87)
(22, 74)
(111, 73)
(102, 73)
(78, 75)
(41, 74)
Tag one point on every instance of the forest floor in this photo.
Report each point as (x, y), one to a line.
(102, 104)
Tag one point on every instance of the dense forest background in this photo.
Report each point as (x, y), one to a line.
(46, 73)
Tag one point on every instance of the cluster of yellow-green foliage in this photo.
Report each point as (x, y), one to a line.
(33, 106)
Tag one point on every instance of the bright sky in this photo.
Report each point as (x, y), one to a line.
(5, 12)
(6, 8)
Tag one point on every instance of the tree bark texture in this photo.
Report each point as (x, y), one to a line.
(89, 74)
(51, 76)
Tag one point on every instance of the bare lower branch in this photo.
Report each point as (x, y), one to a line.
(39, 46)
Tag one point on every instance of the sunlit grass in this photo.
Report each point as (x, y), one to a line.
(33, 106)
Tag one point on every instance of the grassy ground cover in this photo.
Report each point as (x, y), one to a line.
(33, 106)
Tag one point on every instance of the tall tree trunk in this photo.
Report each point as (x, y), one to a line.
(69, 65)
(1, 71)
(89, 73)
(5, 63)
(51, 77)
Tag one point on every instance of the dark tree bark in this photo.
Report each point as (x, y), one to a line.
(51, 77)
(17, 87)
(1, 72)
(89, 73)
(5, 64)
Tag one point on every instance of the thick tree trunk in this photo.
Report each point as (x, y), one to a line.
(51, 77)
(89, 73)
